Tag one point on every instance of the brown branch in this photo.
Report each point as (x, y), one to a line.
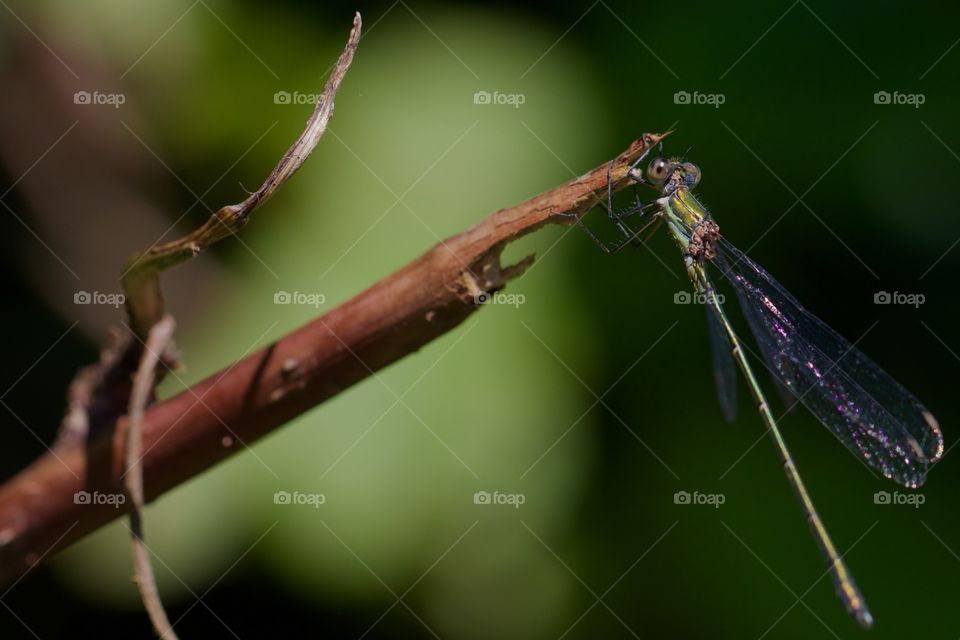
(250, 398)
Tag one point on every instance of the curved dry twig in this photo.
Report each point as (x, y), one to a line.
(160, 336)
(141, 281)
(153, 328)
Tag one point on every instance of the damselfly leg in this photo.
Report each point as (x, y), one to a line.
(631, 237)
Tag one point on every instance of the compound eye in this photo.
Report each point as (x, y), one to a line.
(658, 169)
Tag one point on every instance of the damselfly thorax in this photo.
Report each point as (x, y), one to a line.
(690, 224)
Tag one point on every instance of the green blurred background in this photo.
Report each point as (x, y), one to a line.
(507, 402)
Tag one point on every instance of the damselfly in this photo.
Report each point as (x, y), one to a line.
(866, 409)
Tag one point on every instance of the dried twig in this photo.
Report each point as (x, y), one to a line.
(153, 329)
(141, 275)
(160, 335)
(259, 393)
(99, 393)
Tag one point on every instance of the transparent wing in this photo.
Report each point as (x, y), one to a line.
(724, 369)
(870, 412)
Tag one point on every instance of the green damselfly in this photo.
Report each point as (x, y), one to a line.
(866, 409)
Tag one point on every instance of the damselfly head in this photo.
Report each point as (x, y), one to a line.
(669, 173)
